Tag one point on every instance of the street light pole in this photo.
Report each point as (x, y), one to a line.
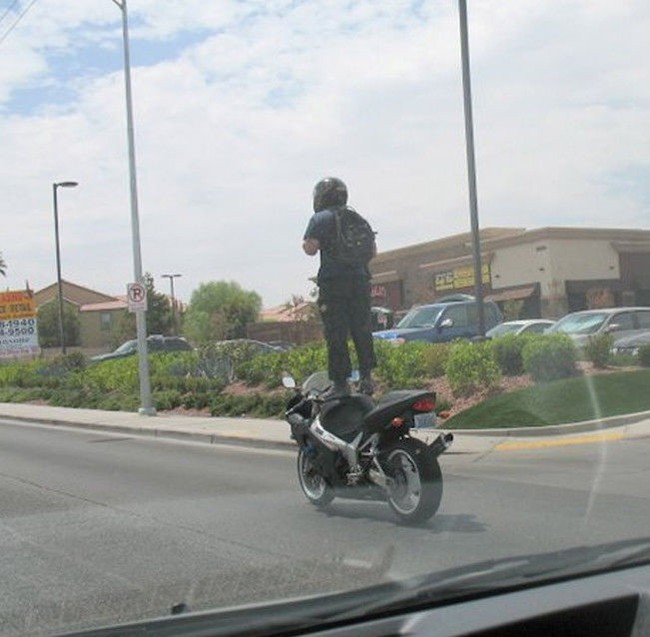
(146, 406)
(55, 187)
(171, 278)
(471, 166)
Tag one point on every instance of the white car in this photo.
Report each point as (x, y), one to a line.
(524, 326)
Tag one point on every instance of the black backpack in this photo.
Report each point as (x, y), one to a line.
(354, 242)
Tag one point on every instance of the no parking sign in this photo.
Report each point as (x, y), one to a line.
(137, 297)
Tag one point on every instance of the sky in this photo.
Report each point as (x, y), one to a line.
(241, 106)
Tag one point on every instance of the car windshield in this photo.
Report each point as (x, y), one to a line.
(421, 317)
(127, 348)
(581, 323)
(350, 194)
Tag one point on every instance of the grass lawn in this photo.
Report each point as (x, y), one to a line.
(563, 401)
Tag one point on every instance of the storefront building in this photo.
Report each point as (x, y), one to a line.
(544, 272)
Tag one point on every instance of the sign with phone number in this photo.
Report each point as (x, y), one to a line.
(18, 324)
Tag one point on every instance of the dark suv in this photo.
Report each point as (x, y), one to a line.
(451, 317)
(155, 343)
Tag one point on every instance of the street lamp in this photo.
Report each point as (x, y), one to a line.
(471, 165)
(146, 406)
(171, 278)
(55, 187)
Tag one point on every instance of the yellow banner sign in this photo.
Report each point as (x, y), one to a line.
(459, 278)
(17, 305)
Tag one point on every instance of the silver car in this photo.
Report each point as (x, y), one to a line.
(619, 321)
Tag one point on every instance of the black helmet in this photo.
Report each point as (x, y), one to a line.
(329, 192)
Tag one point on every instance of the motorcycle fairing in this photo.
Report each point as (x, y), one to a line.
(393, 404)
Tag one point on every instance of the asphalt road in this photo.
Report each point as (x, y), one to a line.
(98, 528)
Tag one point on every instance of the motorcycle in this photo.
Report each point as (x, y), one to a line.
(351, 447)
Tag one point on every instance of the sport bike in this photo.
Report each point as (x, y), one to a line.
(353, 447)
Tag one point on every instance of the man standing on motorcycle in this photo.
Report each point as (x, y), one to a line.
(343, 282)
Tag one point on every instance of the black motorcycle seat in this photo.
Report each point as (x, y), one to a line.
(344, 416)
(393, 404)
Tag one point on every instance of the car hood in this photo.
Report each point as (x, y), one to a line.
(403, 332)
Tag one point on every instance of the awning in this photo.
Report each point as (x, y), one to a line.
(513, 294)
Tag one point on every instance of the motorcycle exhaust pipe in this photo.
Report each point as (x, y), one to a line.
(441, 444)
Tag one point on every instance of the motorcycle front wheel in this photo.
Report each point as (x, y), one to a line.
(312, 483)
(415, 490)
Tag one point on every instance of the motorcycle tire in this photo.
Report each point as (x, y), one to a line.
(416, 490)
(313, 485)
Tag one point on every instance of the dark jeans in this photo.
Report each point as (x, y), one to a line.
(344, 307)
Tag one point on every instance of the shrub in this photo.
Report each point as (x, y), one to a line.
(472, 366)
(436, 356)
(550, 357)
(508, 352)
(644, 355)
(598, 349)
(401, 366)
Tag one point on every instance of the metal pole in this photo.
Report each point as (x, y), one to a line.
(471, 166)
(58, 269)
(171, 278)
(146, 406)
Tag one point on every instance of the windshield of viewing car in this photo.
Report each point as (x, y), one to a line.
(172, 193)
(581, 323)
(421, 317)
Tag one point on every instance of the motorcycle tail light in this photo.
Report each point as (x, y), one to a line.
(424, 405)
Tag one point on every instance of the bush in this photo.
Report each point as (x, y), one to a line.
(644, 355)
(472, 366)
(401, 366)
(550, 357)
(508, 352)
(436, 356)
(598, 349)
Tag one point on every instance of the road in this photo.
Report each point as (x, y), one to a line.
(97, 528)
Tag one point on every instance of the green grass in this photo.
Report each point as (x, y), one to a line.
(564, 401)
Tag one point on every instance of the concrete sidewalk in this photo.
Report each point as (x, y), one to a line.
(270, 433)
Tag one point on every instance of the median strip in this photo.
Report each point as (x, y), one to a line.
(560, 442)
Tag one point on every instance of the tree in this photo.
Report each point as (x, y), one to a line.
(220, 310)
(159, 315)
(48, 324)
(3, 266)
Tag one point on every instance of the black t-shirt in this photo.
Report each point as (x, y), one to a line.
(322, 226)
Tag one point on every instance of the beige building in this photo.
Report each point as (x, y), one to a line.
(99, 313)
(551, 271)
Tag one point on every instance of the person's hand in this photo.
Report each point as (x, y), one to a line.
(311, 246)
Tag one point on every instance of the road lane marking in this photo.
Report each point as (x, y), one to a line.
(560, 442)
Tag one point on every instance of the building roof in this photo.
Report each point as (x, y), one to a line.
(105, 306)
(72, 293)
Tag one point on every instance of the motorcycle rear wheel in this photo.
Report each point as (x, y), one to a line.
(312, 483)
(416, 490)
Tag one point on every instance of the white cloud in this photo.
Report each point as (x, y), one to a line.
(234, 128)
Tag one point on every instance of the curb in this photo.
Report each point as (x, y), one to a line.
(558, 430)
(152, 432)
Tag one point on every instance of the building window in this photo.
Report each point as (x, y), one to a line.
(105, 321)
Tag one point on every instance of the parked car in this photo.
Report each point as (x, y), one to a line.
(155, 343)
(523, 326)
(619, 321)
(449, 318)
(249, 345)
(631, 344)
